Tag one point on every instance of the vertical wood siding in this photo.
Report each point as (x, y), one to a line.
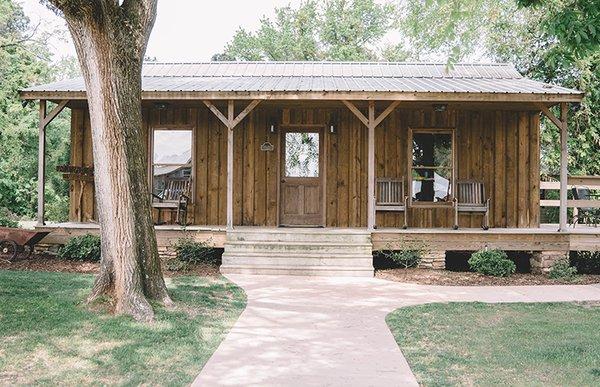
(500, 148)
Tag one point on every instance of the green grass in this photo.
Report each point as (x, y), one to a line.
(500, 344)
(49, 336)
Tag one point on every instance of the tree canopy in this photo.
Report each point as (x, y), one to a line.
(316, 30)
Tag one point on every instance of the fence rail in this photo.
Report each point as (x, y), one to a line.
(591, 182)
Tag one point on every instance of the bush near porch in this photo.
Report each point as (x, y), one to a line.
(500, 344)
(49, 336)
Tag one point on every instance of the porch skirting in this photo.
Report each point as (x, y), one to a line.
(542, 261)
(433, 260)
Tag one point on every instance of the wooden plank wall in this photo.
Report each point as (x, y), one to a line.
(499, 147)
(81, 204)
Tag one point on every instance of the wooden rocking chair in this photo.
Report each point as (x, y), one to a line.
(175, 197)
(471, 198)
(391, 197)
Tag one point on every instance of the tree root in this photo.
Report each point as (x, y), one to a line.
(137, 306)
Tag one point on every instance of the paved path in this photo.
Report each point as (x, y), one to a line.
(310, 331)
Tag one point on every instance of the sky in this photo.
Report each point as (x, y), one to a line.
(185, 30)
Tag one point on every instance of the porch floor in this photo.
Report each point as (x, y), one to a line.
(548, 228)
(543, 238)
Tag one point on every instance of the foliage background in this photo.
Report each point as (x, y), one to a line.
(26, 60)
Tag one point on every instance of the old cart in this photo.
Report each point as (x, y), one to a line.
(14, 240)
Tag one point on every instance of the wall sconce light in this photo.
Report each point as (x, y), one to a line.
(440, 107)
(273, 123)
(332, 125)
(161, 105)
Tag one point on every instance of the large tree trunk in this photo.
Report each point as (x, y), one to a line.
(110, 40)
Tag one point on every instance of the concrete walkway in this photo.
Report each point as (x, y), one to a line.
(314, 331)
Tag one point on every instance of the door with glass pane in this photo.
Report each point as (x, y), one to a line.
(301, 192)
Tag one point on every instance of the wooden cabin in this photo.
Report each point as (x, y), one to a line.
(400, 153)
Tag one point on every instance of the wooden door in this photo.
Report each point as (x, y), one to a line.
(302, 172)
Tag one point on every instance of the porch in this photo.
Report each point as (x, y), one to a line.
(418, 128)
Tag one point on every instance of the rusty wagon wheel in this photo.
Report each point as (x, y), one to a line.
(8, 250)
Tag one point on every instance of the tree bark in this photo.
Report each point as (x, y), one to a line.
(110, 40)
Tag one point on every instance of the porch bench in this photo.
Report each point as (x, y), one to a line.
(391, 197)
(471, 199)
(174, 198)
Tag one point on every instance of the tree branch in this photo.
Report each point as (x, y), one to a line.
(23, 40)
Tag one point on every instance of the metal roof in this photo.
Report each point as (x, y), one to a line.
(326, 77)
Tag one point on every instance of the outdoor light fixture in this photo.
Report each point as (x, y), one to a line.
(161, 105)
(273, 124)
(332, 125)
(440, 107)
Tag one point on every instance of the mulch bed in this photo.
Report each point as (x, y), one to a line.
(46, 262)
(454, 278)
(418, 276)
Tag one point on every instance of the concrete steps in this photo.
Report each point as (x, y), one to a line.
(298, 251)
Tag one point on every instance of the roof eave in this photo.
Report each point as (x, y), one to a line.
(323, 95)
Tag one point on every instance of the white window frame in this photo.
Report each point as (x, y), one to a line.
(151, 164)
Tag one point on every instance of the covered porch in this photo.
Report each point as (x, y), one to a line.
(282, 163)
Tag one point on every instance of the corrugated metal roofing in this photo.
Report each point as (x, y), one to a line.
(328, 77)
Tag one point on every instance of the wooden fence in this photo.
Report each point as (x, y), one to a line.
(591, 182)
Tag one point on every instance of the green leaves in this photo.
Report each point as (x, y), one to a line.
(330, 30)
(25, 61)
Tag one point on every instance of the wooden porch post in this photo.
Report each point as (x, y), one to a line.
(371, 122)
(230, 118)
(562, 125)
(230, 122)
(371, 168)
(41, 188)
(45, 119)
(564, 173)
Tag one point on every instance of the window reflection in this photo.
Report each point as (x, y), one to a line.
(302, 154)
(432, 164)
(172, 159)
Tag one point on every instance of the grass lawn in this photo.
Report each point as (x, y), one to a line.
(490, 344)
(48, 336)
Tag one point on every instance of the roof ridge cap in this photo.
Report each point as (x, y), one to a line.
(425, 63)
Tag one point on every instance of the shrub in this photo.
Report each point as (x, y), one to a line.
(6, 220)
(586, 262)
(189, 251)
(403, 258)
(562, 270)
(492, 262)
(81, 248)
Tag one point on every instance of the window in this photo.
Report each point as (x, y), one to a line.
(432, 166)
(301, 154)
(171, 158)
